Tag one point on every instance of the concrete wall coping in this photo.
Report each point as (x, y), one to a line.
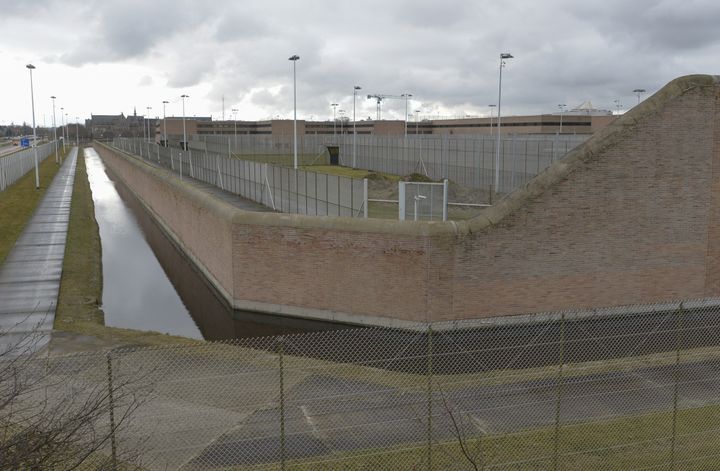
(236, 215)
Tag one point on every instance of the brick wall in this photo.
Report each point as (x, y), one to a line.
(627, 225)
(633, 216)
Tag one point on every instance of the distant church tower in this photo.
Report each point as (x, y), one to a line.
(134, 111)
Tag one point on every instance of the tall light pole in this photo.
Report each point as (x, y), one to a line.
(147, 119)
(57, 158)
(234, 111)
(492, 107)
(32, 101)
(294, 58)
(562, 110)
(417, 118)
(406, 95)
(355, 90)
(165, 139)
(334, 107)
(503, 56)
(638, 92)
(184, 146)
(62, 117)
(77, 131)
(618, 105)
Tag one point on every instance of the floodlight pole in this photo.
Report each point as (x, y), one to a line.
(503, 56)
(57, 158)
(165, 139)
(406, 95)
(294, 58)
(62, 117)
(355, 89)
(638, 92)
(77, 131)
(148, 108)
(491, 118)
(562, 110)
(234, 111)
(334, 107)
(184, 146)
(30, 67)
(417, 118)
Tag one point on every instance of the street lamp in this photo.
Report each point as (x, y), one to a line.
(638, 92)
(148, 108)
(491, 118)
(165, 139)
(417, 118)
(406, 95)
(77, 131)
(62, 117)
(32, 101)
(184, 145)
(355, 90)
(234, 111)
(334, 107)
(57, 158)
(503, 56)
(562, 110)
(342, 120)
(294, 58)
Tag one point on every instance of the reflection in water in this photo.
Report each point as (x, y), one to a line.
(136, 292)
(215, 319)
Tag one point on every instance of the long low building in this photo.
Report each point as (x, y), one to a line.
(534, 124)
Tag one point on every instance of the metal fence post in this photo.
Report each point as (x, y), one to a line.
(676, 381)
(113, 444)
(365, 198)
(558, 401)
(281, 346)
(429, 374)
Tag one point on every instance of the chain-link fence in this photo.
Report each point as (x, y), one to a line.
(471, 161)
(280, 188)
(17, 164)
(631, 388)
(422, 201)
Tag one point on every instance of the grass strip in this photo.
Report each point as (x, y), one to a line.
(18, 203)
(79, 308)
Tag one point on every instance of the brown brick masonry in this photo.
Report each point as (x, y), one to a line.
(632, 216)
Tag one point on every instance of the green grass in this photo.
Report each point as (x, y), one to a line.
(284, 159)
(18, 202)
(358, 173)
(621, 444)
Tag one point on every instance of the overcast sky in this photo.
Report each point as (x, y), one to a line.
(108, 56)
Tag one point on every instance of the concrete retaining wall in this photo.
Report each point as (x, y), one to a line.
(631, 216)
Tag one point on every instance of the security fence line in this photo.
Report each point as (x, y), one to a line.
(17, 164)
(630, 388)
(280, 188)
(467, 160)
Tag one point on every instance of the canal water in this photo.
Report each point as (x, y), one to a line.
(148, 284)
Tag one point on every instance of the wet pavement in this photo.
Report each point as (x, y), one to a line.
(30, 276)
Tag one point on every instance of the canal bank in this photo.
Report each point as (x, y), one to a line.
(115, 288)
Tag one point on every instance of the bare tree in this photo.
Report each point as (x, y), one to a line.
(64, 412)
(473, 448)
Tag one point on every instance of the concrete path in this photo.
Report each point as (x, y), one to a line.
(30, 276)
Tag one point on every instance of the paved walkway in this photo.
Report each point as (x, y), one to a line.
(30, 276)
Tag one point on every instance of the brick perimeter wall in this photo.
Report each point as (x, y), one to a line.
(638, 221)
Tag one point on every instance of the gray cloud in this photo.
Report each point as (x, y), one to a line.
(444, 53)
